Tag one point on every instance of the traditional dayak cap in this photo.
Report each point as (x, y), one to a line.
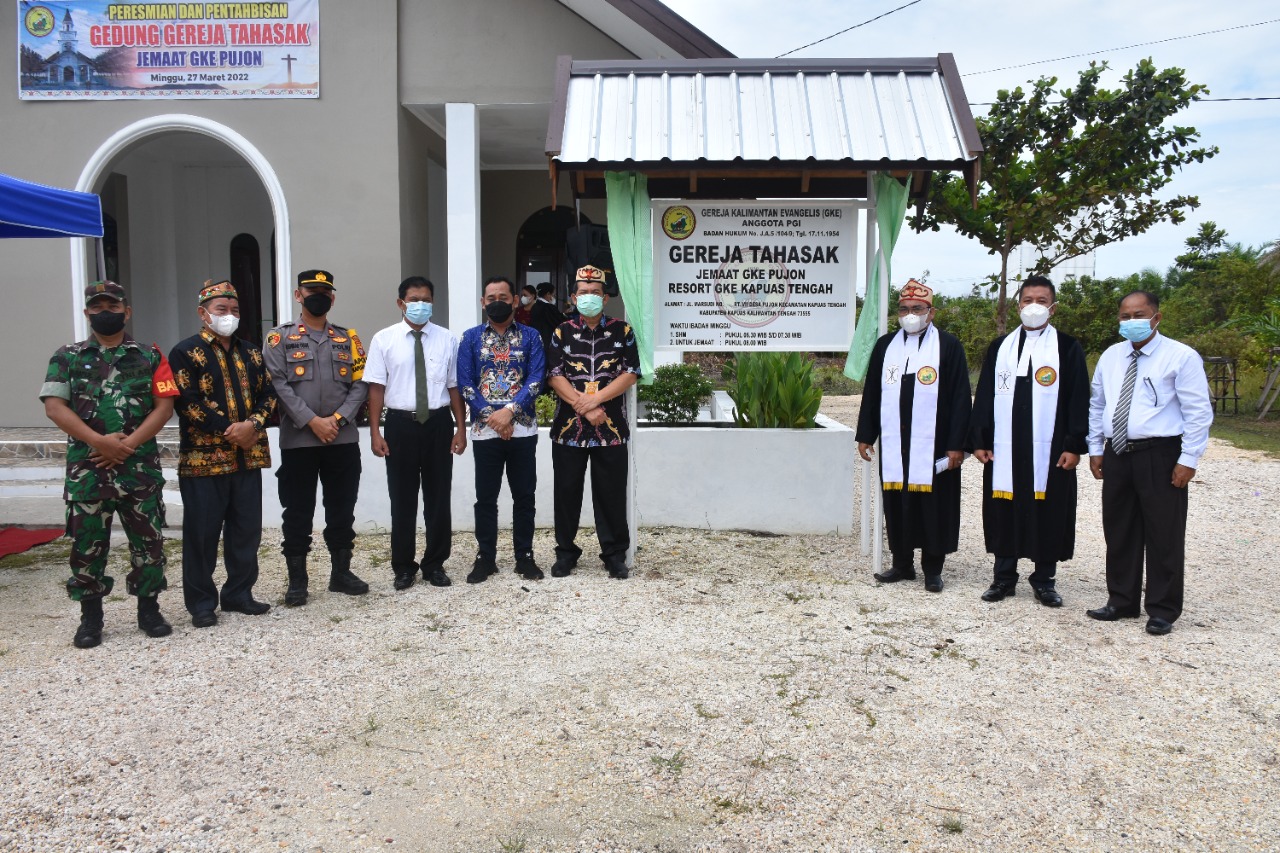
(217, 289)
(316, 278)
(915, 290)
(103, 288)
(589, 273)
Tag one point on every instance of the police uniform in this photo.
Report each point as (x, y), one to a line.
(112, 390)
(317, 373)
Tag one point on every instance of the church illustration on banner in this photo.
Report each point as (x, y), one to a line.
(65, 68)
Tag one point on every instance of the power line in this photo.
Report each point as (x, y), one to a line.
(1112, 49)
(842, 32)
(1198, 101)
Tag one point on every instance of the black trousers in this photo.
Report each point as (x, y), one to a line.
(609, 470)
(337, 468)
(931, 564)
(519, 457)
(226, 507)
(1144, 514)
(419, 459)
(1006, 573)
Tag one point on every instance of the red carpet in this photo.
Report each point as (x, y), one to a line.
(15, 540)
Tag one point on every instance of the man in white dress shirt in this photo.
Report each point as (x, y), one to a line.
(413, 371)
(1149, 418)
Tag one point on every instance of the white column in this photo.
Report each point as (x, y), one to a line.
(462, 153)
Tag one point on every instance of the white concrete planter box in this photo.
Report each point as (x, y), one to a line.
(730, 478)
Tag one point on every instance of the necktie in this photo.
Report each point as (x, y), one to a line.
(421, 406)
(1120, 420)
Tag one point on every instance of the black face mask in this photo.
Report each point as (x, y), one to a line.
(107, 323)
(498, 312)
(318, 304)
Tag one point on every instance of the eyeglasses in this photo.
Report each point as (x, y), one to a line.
(918, 310)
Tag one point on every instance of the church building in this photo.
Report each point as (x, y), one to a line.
(411, 142)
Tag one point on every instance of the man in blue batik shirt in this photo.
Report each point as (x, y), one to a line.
(500, 372)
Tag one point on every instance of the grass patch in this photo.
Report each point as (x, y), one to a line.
(732, 806)
(704, 713)
(797, 597)
(953, 825)
(512, 845)
(1247, 432)
(39, 557)
(672, 766)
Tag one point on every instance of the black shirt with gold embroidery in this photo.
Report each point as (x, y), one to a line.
(216, 388)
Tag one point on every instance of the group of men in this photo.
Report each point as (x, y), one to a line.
(1144, 423)
(112, 395)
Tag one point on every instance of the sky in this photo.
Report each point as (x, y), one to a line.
(1239, 189)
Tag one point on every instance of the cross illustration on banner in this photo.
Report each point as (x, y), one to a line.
(289, 60)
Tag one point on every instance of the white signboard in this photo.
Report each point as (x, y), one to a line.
(732, 275)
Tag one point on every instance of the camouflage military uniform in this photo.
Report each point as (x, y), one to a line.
(112, 391)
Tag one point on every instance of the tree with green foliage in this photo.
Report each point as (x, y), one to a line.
(1070, 170)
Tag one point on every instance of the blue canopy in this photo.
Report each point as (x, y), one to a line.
(33, 210)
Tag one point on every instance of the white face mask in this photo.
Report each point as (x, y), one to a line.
(1034, 315)
(223, 325)
(526, 300)
(913, 323)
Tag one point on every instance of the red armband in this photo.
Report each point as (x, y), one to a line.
(162, 384)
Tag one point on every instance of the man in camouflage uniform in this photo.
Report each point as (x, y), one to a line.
(316, 367)
(111, 396)
(224, 401)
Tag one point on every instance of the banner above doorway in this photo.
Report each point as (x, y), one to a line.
(99, 50)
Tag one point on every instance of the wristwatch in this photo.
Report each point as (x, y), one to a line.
(338, 418)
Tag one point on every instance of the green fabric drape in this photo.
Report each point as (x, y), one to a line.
(891, 211)
(631, 242)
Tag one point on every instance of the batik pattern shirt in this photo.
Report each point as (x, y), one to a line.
(217, 388)
(501, 369)
(111, 390)
(590, 359)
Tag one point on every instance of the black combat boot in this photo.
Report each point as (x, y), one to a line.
(89, 634)
(296, 595)
(342, 579)
(150, 619)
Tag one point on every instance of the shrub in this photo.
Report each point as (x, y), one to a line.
(676, 393)
(774, 390)
(545, 407)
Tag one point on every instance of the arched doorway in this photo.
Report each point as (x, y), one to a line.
(192, 186)
(541, 253)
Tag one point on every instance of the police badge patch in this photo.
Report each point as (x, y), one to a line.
(273, 339)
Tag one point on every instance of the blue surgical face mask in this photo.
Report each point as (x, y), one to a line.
(590, 304)
(1135, 330)
(417, 313)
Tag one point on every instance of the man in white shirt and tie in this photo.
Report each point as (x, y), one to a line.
(413, 371)
(1149, 418)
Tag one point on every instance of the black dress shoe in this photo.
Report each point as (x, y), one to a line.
(404, 580)
(204, 619)
(482, 569)
(248, 607)
(1048, 596)
(895, 575)
(1000, 591)
(438, 578)
(618, 570)
(933, 583)
(562, 568)
(1158, 627)
(1107, 613)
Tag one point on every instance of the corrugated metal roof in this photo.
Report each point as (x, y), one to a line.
(833, 112)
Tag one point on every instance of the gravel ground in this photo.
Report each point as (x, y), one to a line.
(740, 692)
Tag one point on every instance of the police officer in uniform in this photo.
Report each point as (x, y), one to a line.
(316, 368)
(111, 396)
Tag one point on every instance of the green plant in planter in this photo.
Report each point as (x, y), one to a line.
(774, 390)
(676, 393)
